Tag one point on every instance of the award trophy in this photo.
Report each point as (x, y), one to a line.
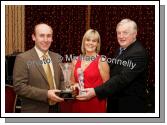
(81, 81)
(67, 69)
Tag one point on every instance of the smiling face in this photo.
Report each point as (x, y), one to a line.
(91, 42)
(126, 34)
(43, 37)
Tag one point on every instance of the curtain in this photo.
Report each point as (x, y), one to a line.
(14, 29)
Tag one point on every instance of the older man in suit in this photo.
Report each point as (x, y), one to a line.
(37, 75)
(125, 90)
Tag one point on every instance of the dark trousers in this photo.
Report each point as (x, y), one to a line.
(126, 105)
(54, 108)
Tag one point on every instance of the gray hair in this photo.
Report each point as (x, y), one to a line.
(124, 21)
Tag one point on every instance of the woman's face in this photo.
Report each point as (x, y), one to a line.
(91, 44)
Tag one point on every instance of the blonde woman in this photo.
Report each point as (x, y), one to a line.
(95, 72)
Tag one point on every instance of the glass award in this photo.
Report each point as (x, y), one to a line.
(81, 81)
(67, 92)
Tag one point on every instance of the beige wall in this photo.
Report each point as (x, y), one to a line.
(14, 29)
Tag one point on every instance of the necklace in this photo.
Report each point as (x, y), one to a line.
(86, 63)
(88, 59)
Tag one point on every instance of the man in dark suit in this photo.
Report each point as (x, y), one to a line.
(37, 75)
(125, 90)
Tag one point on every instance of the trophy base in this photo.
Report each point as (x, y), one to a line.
(66, 94)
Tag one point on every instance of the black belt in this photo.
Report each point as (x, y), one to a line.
(53, 108)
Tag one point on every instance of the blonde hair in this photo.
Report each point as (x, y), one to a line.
(91, 33)
(131, 22)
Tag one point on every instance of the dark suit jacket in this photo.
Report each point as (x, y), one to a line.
(126, 87)
(30, 81)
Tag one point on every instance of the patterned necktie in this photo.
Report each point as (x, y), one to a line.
(49, 75)
(121, 50)
(48, 71)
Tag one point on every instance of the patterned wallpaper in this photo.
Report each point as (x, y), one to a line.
(69, 26)
(68, 23)
(105, 19)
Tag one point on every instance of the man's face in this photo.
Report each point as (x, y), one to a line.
(125, 35)
(43, 37)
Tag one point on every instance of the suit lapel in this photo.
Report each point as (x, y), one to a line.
(39, 66)
(125, 52)
(116, 56)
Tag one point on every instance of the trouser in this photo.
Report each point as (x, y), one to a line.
(54, 108)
